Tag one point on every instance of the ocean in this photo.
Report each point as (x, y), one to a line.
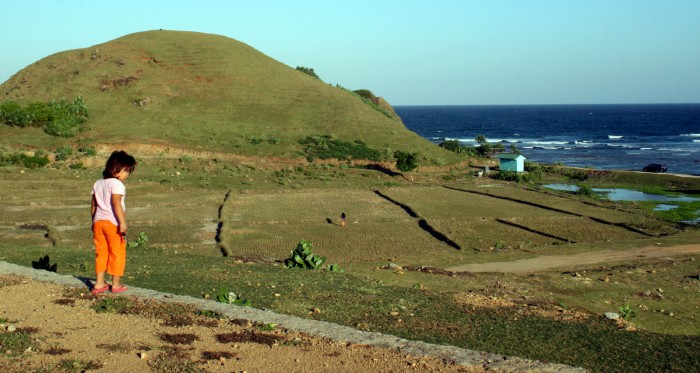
(603, 137)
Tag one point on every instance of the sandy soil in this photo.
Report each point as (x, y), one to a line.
(573, 260)
(67, 333)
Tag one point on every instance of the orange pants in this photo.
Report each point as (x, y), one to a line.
(110, 248)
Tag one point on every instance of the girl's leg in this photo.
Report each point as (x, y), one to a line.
(116, 282)
(101, 254)
(117, 256)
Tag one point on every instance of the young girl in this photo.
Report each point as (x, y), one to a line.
(109, 222)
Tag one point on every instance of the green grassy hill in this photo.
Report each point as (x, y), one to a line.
(202, 91)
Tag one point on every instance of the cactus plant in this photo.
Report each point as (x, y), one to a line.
(226, 296)
(303, 257)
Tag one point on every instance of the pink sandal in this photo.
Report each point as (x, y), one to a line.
(96, 291)
(119, 289)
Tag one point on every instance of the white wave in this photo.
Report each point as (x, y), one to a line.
(577, 142)
(619, 146)
(614, 137)
(696, 140)
(460, 140)
(646, 148)
(690, 134)
(548, 142)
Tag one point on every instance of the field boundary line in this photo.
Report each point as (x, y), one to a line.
(225, 251)
(422, 222)
(533, 204)
(534, 231)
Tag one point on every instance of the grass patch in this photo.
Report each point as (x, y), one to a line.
(16, 343)
(112, 305)
(261, 222)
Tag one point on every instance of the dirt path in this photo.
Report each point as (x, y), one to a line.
(568, 261)
(62, 331)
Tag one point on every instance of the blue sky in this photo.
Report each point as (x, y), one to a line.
(440, 52)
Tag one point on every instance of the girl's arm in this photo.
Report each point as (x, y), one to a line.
(93, 209)
(119, 212)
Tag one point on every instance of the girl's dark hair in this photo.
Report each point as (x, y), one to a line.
(118, 161)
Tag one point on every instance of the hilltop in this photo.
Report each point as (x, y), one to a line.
(203, 92)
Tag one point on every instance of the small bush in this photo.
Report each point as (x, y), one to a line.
(366, 93)
(585, 190)
(63, 153)
(88, 150)
(12, 113)
(29, 161)
(63, 127)
(308, 71)
(59, 118)
(325, 147)
(303, 257)
(518, 177)
(406, 161)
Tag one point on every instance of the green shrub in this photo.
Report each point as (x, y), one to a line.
(370, 99)
(229, 297)
(63, 127)
(59, 118)
(12, 113)
(88, 150)
(308, 71)
(571, 173)
(533, 167)
(585, 190)
(626, 312)
(518, 177)
(63, 153)
(406, 161)
(325, 147)
(303, 257)
(37, 160)
(366, 93)
(452, 145)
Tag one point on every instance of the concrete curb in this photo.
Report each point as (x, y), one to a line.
(317, 328)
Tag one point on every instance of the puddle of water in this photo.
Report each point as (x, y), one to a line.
(562, 187)
(665, 207)
(620, 194)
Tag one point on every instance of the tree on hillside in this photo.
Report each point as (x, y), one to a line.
(308, 71)
(406, 162)
(487, 149)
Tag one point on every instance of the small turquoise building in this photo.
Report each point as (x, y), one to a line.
(511, 162)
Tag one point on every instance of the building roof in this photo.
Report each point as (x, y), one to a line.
(510, 156)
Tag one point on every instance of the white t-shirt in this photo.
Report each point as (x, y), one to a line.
(103, 190)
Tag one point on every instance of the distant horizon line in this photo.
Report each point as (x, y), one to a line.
(620, 104)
